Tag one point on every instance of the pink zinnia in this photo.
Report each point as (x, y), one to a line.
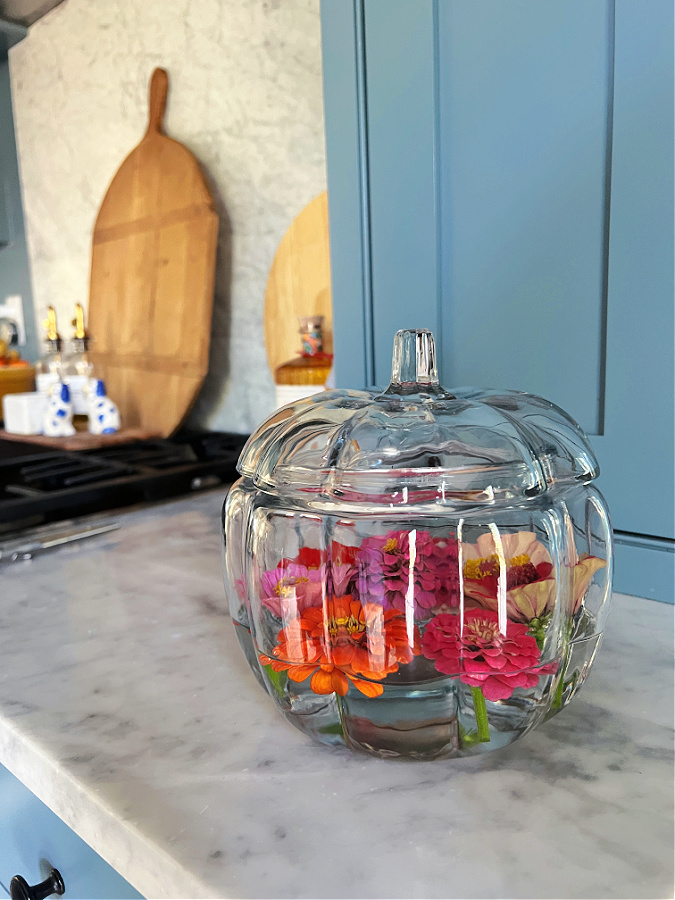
(438, 565)
(343, 578)
(519, 563)
(383, 564)
(386, 565)
(290, 589)
(475, 650)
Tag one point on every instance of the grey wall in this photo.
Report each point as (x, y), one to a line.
(14, 265)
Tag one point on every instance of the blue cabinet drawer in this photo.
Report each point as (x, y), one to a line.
(33, 839)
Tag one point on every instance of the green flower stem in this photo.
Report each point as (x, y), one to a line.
(278, 680)
(557, 700)
(340, 714)
(480, 711)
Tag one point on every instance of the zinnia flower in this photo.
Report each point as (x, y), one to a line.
(530, 585)
(474, 649)
(388, 564)
(315, 557)
(343, 578)
(439, 573)
(290, 589)
(584, 570)
(343, 554)
(309, 557)
(298, 583)
(336, 644)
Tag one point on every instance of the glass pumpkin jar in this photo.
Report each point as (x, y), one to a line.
(418, 573)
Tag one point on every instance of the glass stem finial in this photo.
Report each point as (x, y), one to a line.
(414, 359)
(413, 368)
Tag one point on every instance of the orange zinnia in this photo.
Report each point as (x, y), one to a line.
(342, 640)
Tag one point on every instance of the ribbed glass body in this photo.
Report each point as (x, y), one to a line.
(418, 573)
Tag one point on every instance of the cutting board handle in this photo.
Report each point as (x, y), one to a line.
(159, 86)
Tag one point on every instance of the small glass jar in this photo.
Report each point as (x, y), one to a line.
(418, 573)
(303, 376)
(78, 368)
(49, 368)
(77, 372)
(78, 363)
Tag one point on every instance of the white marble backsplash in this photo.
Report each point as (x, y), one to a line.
(245, 96)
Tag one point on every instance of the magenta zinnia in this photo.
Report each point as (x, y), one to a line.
(474, 649)
(412, 564)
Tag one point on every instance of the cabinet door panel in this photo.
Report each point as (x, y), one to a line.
(402, 180)
(33, 839)
(523, 105)
(515, 167)
(636, 451)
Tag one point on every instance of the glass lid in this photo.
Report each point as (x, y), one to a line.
(416, 443)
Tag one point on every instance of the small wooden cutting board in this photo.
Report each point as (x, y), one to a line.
(82, 440)
(152, 273)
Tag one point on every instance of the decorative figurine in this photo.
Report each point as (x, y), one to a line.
(104, 417)
(311, 334)
(305, 375)
(58, 421)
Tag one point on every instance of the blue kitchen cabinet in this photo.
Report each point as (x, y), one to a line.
(33, 840)
(502, 173)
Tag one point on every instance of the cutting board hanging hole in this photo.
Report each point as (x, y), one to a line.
(159, 86)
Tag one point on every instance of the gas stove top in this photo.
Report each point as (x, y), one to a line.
(39, 485)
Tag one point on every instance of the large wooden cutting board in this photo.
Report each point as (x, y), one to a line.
(152, 273)
(299, 283)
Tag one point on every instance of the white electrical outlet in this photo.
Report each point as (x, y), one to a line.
(12, 309)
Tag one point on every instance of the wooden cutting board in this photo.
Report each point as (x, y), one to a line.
(299, 283)
(81, 440)
(152, 273)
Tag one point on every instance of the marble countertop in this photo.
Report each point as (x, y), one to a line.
(127, 707)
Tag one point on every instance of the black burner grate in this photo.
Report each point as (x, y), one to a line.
(45, 486)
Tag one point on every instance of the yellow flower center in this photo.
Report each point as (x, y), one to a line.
(521, 560)
(482, 631)
(285, 587)
(392, 544)
(349, 623)
(489, 565)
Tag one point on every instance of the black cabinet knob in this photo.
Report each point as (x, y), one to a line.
(19, 889)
